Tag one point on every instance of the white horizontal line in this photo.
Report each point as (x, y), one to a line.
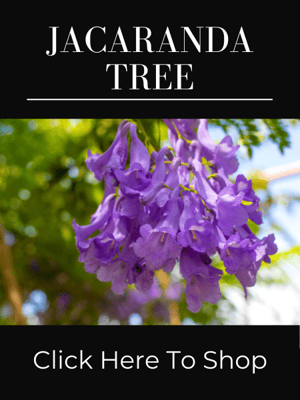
(150, 99)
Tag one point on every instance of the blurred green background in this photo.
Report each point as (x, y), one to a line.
(44, 184)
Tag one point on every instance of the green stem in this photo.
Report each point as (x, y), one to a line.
(172, 150)
(193, 191)
(211, 176)
(207, 209)
(170, 162)
(188, 189)
(168, 187)
(141, 128)
(149, 144)
(179, 134)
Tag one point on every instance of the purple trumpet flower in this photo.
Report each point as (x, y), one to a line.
(243, 256)
(184, 150)
(203, 187)
(236, 204)
(231, 213)
(185, 127)
(158, 246)
(158, 178)
(136, 180)
(171, 182)
(250, 200)
(87, 256)
(101, 249)
(237, 253)
(137, 176)
(120, 270)
(114, 157)
(142, 277)
(207, 144)
(224, 156)
(99, 220)
(197, 230)
(202, 279)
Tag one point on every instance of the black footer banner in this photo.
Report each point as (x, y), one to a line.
(263, 361)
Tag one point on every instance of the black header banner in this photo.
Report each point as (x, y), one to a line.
(106, 61)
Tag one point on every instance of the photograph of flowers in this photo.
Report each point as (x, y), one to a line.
(149, 221)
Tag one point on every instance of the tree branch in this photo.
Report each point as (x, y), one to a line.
(13, 290)
(164, 280)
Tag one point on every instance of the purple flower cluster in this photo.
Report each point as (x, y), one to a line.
(176, 205)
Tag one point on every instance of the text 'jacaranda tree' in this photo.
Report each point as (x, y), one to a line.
(177, 204)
